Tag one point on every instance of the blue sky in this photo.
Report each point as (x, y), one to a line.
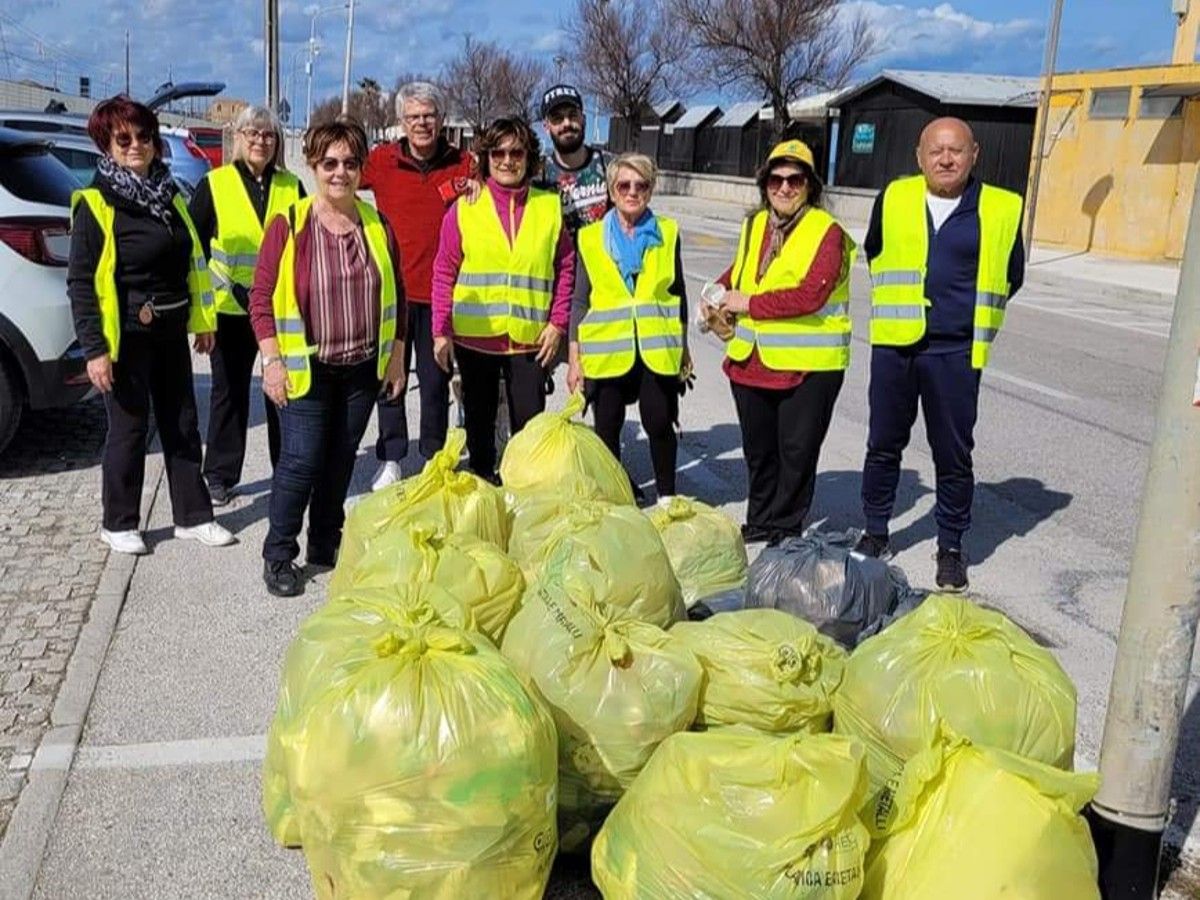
(194, 39)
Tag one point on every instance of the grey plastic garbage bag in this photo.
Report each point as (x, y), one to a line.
(818, 578)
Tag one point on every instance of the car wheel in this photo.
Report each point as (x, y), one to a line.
(12, 405)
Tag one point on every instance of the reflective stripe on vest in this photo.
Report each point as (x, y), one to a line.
(503, 287)
(233, 253)
(814, 343)
(290, 330)
(898, 300)
(622, 325)
(202, 317)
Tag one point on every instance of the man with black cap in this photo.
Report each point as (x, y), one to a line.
(572, 168)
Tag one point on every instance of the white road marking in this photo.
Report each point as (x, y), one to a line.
(165, 754)
(992, 372)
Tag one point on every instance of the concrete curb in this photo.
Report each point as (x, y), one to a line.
(1085, 288)
(29, 829)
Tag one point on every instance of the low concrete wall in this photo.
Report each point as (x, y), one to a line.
(851, 205)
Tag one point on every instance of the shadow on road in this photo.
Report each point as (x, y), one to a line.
(56, 440)
(1185, 787)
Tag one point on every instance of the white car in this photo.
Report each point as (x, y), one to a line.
(41, 365)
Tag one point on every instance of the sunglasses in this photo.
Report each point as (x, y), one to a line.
(795, 181)
(125, 139)
(632, 187)
(331, 163)
(254, 134)
(516, 154)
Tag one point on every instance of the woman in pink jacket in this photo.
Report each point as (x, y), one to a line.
(502, 282)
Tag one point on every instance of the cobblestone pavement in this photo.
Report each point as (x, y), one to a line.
(50, 565)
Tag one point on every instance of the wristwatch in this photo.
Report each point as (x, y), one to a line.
(267, 360)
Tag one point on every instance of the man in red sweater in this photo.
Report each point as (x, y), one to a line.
(415, 181)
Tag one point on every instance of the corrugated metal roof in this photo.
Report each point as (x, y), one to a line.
(961, 88)
(695, 116)
(739, 115)
(812, 106)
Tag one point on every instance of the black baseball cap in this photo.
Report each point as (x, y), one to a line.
(560, 95)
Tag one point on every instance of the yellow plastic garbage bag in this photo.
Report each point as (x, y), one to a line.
(735, 814)
(981, 824)
(424, 768)
(705, 547)
(457, 502)
(620, 542)
(533, 516)
(616, 686)
(339, 634)
(764, 668)
(554, 448)
(954, 662)
(474, 571)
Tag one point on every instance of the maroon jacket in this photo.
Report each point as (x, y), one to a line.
(262, 314)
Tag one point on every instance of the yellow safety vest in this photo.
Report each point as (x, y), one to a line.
(290, 330)
(234, 249)
(819, 342)
(506, 288)
(898, 273)
(621, 324)
(202, 317)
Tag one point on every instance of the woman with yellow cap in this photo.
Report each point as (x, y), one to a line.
(789, 289)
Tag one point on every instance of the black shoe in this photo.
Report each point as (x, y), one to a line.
(951, 571)
(283, 578)
(752, 534)
(220, 494)
(775, 538)
(873, 545)
(639, 496)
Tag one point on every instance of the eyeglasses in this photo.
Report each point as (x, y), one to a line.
(565, 115)
(254, 134)
(513, 154)
(795, 181)
(420, 117)
(632, 187)
(125, 139)
(331, 163)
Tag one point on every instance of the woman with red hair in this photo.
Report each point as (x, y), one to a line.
(138, 284)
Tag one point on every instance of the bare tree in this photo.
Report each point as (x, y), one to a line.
(485, 81)
(368, 106)
(626, 53)
(779, 49)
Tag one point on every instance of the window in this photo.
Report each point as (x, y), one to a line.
(1111, 103)
(30, 173)
(1161, 108)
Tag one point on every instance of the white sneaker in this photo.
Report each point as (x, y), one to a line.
(389, 473)
(210, 534)
(124, 541)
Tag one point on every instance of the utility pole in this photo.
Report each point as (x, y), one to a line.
(1158, 626)
(127, 63)
(349, 50)
(1048, 64)
(271, 53)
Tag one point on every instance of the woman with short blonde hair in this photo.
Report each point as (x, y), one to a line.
(231, 208)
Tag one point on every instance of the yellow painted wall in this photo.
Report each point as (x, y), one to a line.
(1118, 186)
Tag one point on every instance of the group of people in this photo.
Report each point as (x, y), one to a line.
(502, 265)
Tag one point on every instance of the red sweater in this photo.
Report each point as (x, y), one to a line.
(414, 196)
(803, 300)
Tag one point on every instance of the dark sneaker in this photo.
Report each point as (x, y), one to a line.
(951, 571)
(283, 578)
(753, 534)
(220, 494)
(873, 545)
(639, 496)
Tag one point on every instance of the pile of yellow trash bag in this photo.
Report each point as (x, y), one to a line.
(705, 547)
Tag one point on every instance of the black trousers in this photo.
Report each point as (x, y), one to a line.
(782, 433)
(229, 403)
(657, 397)
(524, 388)
(948, 390)
(321, 432)
(154, 372)
(434, 384)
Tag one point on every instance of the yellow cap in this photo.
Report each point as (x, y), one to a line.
(793, 149)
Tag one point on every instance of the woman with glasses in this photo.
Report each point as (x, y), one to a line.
(327, 307)
(138, 284)
(789, 288)
(231, 206)
(629, 317)
(502, 283)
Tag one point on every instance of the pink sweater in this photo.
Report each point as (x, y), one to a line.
(449, 260)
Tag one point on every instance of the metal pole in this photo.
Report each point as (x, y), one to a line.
(1158, 626)
(1048, 65)
(349, 50)
(271, 54)
(126, 63)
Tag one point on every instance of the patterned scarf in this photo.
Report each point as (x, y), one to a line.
(154, 193)
(781, 227)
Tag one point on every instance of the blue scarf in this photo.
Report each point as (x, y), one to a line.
(627, 250)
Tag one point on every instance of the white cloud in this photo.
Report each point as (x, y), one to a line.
(549, 42)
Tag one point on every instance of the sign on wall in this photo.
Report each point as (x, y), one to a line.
(863, 140)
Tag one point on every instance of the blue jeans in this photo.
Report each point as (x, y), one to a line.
(320, 433)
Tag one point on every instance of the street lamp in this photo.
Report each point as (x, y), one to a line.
(313, 50)
(291, 90)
